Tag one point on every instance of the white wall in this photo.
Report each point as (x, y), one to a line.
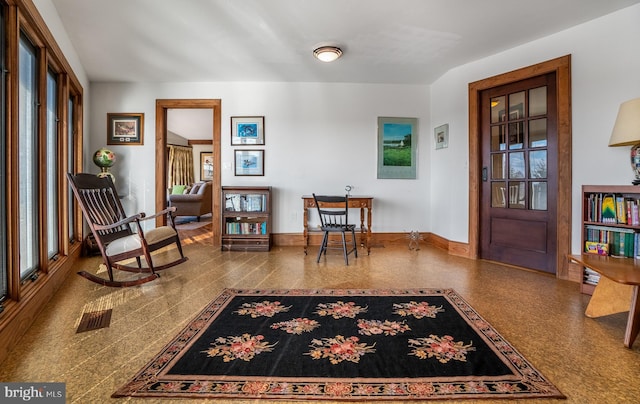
(605, 72)
(313, 127)
(319, 138)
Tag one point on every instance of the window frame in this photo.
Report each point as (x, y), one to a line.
(22, 19)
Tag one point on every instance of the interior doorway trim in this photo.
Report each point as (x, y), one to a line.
(161, 161)
(562, 67)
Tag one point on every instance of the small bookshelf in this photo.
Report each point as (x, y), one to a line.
(246, 218)
(610, 227)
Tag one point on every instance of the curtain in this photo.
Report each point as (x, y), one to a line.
(180, 166)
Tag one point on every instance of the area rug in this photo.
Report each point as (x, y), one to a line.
(415, 344)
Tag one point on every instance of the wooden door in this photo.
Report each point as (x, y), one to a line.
(519, 150)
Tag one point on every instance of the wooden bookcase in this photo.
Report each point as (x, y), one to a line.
(246, 218)
(616, 233)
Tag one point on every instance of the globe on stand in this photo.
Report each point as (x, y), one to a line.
(105, 158)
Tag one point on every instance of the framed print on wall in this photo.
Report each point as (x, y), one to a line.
(247, 130)
(249, 162)
(397, 144)
(206, 166)
(125, 128)
(441, 136)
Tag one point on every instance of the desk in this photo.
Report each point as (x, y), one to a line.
(362, 202)
(617, 290)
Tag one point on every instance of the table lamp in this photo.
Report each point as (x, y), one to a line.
(626, 132)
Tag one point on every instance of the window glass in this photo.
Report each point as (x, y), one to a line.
(27, 159)
(70, 167)
(52, 165)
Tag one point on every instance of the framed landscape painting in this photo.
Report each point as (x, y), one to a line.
(247, 130)
(397, 143)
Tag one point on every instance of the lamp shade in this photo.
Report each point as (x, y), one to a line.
(626, 131)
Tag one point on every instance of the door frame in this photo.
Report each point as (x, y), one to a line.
(562, 67)
(161, 155)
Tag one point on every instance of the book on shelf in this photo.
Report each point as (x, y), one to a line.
(612, 209)
(621, 242)
(590, 276)
(608, 209)
(621, 210)
(247, 228)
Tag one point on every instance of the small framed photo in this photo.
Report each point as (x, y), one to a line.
(247, 130)
(249, 162)
(206, 166)
(125, 129)
(441, 135)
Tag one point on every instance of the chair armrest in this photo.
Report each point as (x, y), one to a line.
(170, 209)
(119, 223)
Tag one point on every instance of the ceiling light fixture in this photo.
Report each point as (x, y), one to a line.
(327, 53)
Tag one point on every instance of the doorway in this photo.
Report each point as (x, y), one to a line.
(162, 106)
(480, 193)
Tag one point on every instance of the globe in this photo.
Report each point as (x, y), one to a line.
(104, 158)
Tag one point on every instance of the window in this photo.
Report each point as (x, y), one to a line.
(36, 149)
(28, 158)
(52, 165)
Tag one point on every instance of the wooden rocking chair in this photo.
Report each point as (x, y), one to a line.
(120, 237)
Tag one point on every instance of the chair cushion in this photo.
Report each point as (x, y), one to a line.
(132, 242)
(123, 245)
(195, 188)
(158, 234)
(178, 189)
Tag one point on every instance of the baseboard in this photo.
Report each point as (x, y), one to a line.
(379, 240)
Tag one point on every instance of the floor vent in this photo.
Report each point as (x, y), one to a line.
(94, 320)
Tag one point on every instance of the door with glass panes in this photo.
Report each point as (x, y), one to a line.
(519, 173)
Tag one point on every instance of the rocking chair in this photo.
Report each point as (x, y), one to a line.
(115, 236)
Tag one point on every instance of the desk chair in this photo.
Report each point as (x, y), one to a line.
(120, 237)
(334, 218)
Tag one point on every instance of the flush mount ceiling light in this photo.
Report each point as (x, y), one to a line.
(327, 53)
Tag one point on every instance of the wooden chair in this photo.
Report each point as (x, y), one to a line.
(120, 237)
(334, 218)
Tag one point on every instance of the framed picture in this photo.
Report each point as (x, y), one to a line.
(441, 136)
(397, 145)
(247, 130)
(249, 162)
(125, 129)
(206, 166)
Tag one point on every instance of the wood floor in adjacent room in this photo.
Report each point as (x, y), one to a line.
(541, 316)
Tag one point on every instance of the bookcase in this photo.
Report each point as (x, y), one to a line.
(246, 218)
(610, 227)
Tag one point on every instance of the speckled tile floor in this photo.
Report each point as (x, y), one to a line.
(540, 315)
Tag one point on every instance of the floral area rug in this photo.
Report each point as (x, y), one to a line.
(415, 344)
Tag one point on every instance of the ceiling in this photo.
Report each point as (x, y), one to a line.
(399, 41)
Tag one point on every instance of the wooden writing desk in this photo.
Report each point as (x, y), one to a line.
(362, 202)
(617, 290)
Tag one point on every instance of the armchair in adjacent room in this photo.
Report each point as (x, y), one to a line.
(196, 202)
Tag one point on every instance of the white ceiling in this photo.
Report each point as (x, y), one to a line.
(399, 41)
